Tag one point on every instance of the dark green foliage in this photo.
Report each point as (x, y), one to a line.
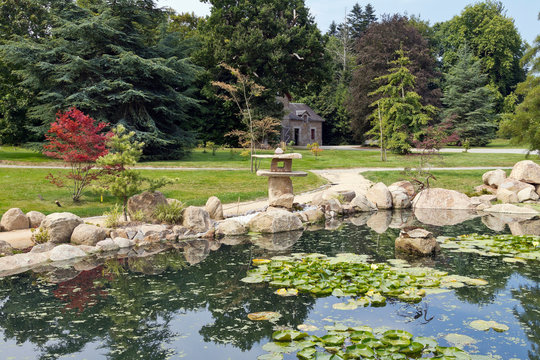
(359, 19)
(492, 37)
(374, 51)
(468, 102)
(115, 61)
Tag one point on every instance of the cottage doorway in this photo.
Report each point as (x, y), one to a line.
(296, 136)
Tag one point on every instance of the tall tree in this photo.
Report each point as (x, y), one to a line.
(468, 102)
(524, 125)
(398, 116)
(492, 37)
(115, 61)
(375, 50)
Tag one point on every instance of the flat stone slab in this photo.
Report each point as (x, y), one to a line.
(18, 239)
(278, 156)
(281, 173)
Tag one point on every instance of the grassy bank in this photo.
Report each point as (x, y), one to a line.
(29, 190)
(463, 181)
(327, 160)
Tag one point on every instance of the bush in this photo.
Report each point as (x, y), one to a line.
(112, 219)
(170, 213)
(40, 236)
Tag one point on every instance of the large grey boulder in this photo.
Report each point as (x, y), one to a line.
(214, 208)
(511, 209)
(5, 248)
(514, 185)
(35, 218)
(311, 216)
(526, 171)
(405, 186)
(10, 265)
(14, 219)
(495, 223)
(494, 177)
(274, 221)
(65, 252)
(346, 196)
(230, 227)
(107, 245)
(321, 197)
(380, 196)
(506, 196)
(147, 202)
(400, 199)
(197, 219)
(437, 198)
(86, 234)
(60, 226)
(362, 204)
(417, 242)
(527, 194)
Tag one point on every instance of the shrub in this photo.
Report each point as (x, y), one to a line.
(170, 213)
(314, 148)
(112, 217)
(40, 236)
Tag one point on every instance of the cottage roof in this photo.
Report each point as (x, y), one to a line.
(297, 110)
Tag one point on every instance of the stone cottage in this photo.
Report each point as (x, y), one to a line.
(300, 124)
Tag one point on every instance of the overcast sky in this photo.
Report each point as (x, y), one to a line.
(525, 12)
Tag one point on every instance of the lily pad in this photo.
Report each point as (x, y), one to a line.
(359, 351)
(272, 356)
(307, 327)
(486, 325)
(459, 340)
(286, 292)
(288, 335)
(264, 315)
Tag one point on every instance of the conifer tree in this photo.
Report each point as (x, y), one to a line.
(468, 101)
(398, 116)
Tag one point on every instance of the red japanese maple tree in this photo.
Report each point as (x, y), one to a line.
(75, 138)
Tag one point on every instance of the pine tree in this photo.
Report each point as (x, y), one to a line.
(355, 21)
(398, 116)
(468, 101)
(116, 62)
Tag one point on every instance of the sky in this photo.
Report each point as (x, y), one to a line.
(524, 12)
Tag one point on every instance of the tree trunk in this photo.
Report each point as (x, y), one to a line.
(124, 208)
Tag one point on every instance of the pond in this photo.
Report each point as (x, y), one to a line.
(188, 302)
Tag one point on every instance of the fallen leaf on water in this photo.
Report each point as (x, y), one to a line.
(264, 315)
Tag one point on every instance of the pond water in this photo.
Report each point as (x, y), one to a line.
(189, 302)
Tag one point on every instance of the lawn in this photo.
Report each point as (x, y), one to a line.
(327, 160)
(29, 190)
(462, 181)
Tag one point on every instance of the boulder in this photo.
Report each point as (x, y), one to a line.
(330, 205)
(214, 208)
(380, 196)
(35, 218)
(10, 265)
(107, 245)
(417, 242)
(526, 171)
(511, 209)
(380, 221)
(40, 248)
(146, 203)
(320, 197)
(527, 194)
(311, 215)
(197, 219)
(437, 198)
(494, 178)
(443, 217)
(274, 221)
(494, 223)
(506, 196)
(123, 242)
(538, 189)
(60, 226)
(346, 196)
(400, 199)
(85, 234)
(230, 227)
(362, 204)
(404, 185)
(514, 185)
(14, 219)
(5, 248)
(527, 227)
(65, 252)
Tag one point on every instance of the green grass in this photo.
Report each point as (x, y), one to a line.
(328, 159)
(22, 188)
(462, 181)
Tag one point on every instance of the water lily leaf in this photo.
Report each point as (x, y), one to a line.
(257, 262)
(350, 305)
(458, 354)
(486, 325)
(459, 340)
(333, 340)
(286, 292)
(377, 300)
(361, 335)
(253, 279)
(426, 341)
(288, 335)
(307, 327)
(279, 347)
(359, 351)
(264, 315)
(307, 353)
(273, 356)
(413, 348)
(336, 327)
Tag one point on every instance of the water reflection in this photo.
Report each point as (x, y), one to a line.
(152, 304)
